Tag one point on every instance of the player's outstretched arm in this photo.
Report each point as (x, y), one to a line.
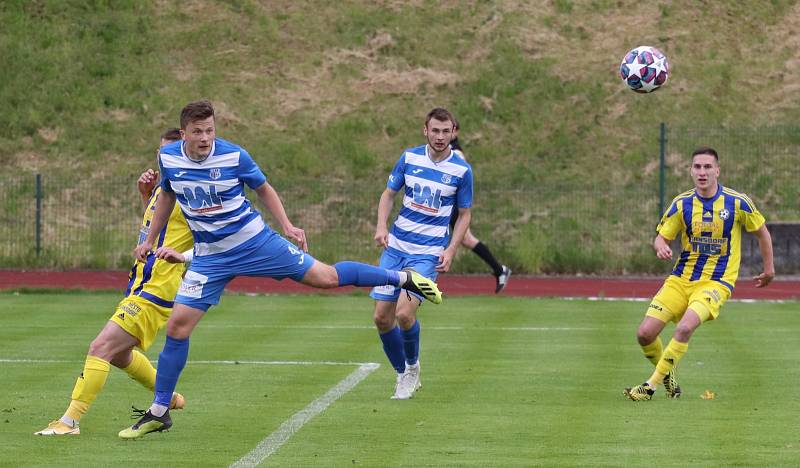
(166, 202)
(765, 245)
(661, 246)
(272, 202)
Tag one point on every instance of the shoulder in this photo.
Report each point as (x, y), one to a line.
(683, 196)
(745, 202)
(459, 160)
(172, 149)
(226, 147)
(415, 155)
(415, 151)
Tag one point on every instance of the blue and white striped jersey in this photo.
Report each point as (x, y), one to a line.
(211, 195)
(432, 191)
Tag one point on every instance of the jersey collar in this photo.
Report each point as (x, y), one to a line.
(713, 197)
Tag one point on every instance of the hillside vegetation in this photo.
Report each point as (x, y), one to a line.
(331, 92)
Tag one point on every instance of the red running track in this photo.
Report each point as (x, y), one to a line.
(453, 285)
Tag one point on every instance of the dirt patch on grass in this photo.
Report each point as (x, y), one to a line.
(360, 75)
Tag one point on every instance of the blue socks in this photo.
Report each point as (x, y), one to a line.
(361, 274)
(411, 343)
(393, 347)
(170, 364)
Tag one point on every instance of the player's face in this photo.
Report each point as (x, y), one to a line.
(439, 134)
(199, 135)
(705, 172)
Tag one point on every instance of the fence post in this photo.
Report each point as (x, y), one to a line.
(662, 151)
(38, 215)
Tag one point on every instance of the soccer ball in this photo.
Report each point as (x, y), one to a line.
(644, 69)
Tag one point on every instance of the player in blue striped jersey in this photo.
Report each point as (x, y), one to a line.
(435, 181)
(206, 176)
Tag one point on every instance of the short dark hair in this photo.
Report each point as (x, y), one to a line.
(706, 150)
(171, 134)
(194, 111)
(440, 114)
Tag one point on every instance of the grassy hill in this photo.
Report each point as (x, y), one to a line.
(333, 91)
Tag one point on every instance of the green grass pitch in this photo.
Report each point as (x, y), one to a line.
(506, 382)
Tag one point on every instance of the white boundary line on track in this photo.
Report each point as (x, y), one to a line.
(280, 436)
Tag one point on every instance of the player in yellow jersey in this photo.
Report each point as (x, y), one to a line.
(709, 219)
(144, 310)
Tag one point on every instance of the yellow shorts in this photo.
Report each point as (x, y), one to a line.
(678, 294)
(141, 318)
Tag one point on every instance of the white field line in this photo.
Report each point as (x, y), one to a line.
(288, 428)
(274, 441)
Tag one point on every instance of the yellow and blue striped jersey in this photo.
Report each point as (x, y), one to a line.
(711, 233)
(157, 280)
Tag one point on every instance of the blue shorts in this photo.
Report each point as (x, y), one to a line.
(393, 260)
(207, 276)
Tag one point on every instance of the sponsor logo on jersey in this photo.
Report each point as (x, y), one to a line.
(426, 199)
(201, 201)
(180, 173)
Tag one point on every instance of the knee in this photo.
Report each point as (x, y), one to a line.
(683, 332)
(325, 277)
(406, 319)
(331, 279)
(178, 329)
(102, 348)
(383, 323)
(645, 336)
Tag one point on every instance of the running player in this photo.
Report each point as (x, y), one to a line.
(207, 175)
(709, 219)
(501, 272)
(437, 182)
(148, 302)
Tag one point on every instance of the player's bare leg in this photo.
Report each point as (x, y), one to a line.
(170, 363)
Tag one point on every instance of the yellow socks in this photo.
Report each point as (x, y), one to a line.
(653, 351)
(141, 370)
(672, 355)
(88, 385)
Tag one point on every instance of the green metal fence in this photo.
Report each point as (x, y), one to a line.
(573, 226)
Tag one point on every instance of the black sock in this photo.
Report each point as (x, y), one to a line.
(486, 255)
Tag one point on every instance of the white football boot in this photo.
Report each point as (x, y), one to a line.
(407, 383)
